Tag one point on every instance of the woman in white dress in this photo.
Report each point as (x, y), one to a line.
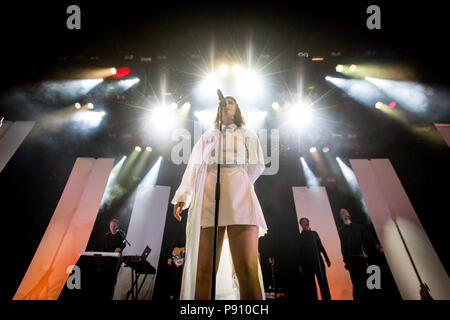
(241, 220)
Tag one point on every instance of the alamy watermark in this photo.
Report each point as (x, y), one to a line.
(374, 280)
(74, 20)
(74, 279)
(374, 20)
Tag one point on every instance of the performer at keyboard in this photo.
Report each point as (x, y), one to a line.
(114, 240)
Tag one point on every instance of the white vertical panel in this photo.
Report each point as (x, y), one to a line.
(68, 231)
(313, 203)
(146, 227)
(11, 137)
(400, 231)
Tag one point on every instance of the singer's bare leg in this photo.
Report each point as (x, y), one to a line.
(244, 252)
(204, 263)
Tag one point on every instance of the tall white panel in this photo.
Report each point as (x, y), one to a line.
(408, 250)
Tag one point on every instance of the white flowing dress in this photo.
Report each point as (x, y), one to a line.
(243, 163)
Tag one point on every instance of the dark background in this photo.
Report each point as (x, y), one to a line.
(37, 46)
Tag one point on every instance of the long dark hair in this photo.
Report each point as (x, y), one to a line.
(238, 118)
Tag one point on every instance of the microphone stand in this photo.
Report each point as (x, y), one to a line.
(122, 234)
(216, 216)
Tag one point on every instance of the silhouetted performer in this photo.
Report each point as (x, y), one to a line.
(356, 245)
(311, 263)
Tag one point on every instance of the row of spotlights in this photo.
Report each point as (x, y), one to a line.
(352, 68)
(90, 105)
(314, 149)
(139, 149)
(224, 69)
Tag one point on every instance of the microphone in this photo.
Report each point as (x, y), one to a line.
(222, 100)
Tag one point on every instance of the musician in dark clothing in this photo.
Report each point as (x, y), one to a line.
(114, 240)
(357, 244)
(311, 264)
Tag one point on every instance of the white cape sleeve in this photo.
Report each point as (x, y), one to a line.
(256, 163)
(186, 189)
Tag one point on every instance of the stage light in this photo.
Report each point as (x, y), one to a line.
(88, 119)
(148, 149)
(350, 177)
(339, 68)
(137, 148)
(122, 72)
(163, 118)
(413, 96)
(361, 90)
(113, 71)
(325, 149)
(392, 105)
(249, 84)
(224, 69)
(173, 105)
(311, 179)
(236, 69)
(77, 105)
(275, 106)
(379, 105)
(317, 59)
(90, 105)
(312, 149)
(130, 82)
(353, 68)
(208, 86)
(299, 116)
(255, 119)
(186, 106)
(206, 117)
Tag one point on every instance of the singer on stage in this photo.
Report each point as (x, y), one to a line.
(241, 219)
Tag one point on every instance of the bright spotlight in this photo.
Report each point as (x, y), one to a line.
(186, 106)
(209, 85)
(300, 115)
(77, 105)
(113, 71)
(173, 105)
(392, 105)
(236, 69)
(205, 117)
(90, 105)
(223, 70)
(325, 149)
(137, 148)
(275, 106)
(249, 84)
(339, 68)
(163, 118)
(379, 105)
(353, 68)
(312, 149)
(148, 149)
